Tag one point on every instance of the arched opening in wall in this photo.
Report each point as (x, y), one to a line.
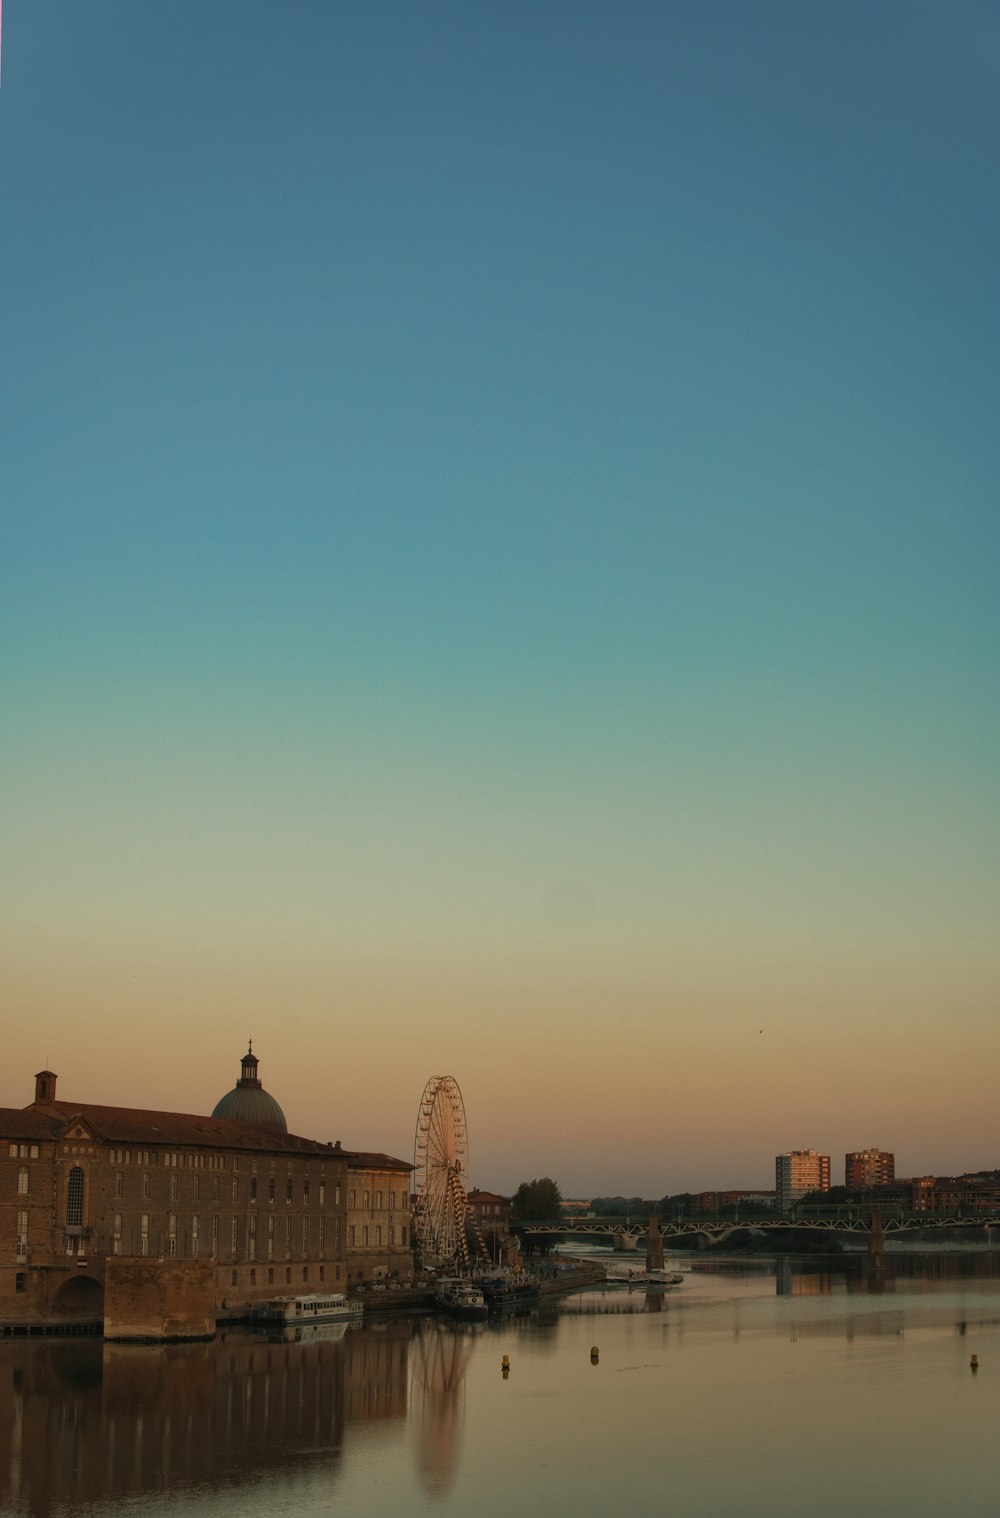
(81, 1297)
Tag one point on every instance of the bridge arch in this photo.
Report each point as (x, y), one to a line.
(80, 1297)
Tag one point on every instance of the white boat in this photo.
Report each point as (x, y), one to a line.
(292, 1312)
(459, 1298)
(655, 1278)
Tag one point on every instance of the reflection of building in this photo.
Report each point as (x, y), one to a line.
(83, 1423)
(864, 1168)
(81, 1182)
(378, 1217)
(798, 1172)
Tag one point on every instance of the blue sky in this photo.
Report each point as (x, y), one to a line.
(500, 522)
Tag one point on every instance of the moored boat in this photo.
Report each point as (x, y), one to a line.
(655, 1279)
(508, 1288)
(291, 1312)
(459, 1298)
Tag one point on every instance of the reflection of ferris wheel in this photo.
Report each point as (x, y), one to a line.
(441, 1162)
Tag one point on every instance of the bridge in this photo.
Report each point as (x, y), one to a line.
(863, 1223)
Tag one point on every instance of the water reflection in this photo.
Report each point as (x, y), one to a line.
(441, 1359)
(85, 1421)
(84, 1425)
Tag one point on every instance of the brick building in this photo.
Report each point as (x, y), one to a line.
(864, 1168)
(490, 1211)
(82, 1182)
(378, 1217)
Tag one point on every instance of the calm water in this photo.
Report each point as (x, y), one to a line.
(759, 1387)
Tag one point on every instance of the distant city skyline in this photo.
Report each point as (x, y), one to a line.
(499, 573)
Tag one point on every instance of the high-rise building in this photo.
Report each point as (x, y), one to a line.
(869, 1167)
(798, 1172)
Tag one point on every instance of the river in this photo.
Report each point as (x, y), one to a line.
(766, 1386)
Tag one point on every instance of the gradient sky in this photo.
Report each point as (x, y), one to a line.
(499, 573)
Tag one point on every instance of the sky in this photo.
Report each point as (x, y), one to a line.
(499, 524)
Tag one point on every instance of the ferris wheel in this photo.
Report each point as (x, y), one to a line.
(440, 1163)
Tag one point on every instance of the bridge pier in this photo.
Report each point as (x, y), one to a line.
(876, 1242)
(654, 1244)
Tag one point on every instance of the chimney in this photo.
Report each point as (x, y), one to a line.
(45, 1087)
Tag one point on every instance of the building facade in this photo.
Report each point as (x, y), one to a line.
(864, 1168)
(798, 1172)
(82, 1183)
(379, 1245)
(490, 1211)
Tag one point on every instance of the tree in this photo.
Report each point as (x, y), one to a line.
(537, 1201)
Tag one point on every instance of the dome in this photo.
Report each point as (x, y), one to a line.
(248, 1102)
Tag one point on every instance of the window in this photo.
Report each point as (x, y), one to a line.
(215, 1188)
(288, 1275)
(336, 1194)
(235, 1277)
(145, 1186)
(22, 1181)
(305, 1193)
(288, 1237)
(215, 1238)
(253, 1188)
(116, 1234)
(288, 1190)
(253, 1276)
(236, 1237)
(322, 1194)
(322, 1238)
(173, 1188)
(350, 1236)
(19, 1281)
(305, 1272)
(270, 1237)
(392, 1200)
(402, 1236)
(196, 1183)
(305, 1235)
(74, 1198)
(270, 1275)
(171, 1233)
(194, 1235)
(322, 1272)
(144, 1233)
(270, 1190)
(364, 1236)
(33, 1151)
(236, 1188)
(364, 1200)
(378, 1201)
(350, 1199)
(378, 1235)
(22, 1236)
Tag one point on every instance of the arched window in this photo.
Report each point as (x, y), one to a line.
(74, 1198)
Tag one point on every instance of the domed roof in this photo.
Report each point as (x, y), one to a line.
(248, 1102)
